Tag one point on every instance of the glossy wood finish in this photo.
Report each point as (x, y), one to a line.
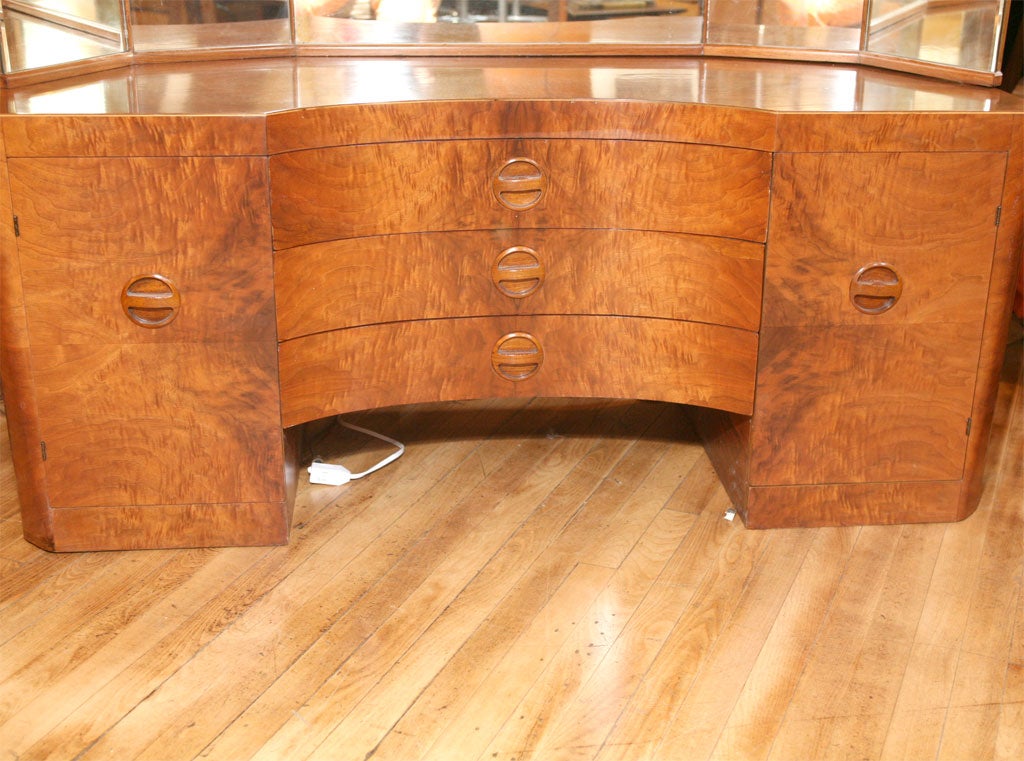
(360, 281)
(540, 579)
(384, 189)
(175, 417)
(652, 226)
(445, 360)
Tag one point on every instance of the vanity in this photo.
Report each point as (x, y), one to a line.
(223, 229)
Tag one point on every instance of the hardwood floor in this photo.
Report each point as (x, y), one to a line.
(543, 580)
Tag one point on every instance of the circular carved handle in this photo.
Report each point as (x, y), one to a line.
(875, 288)
(516, 356)
(150, 301)
(517, 272)
(519, 184)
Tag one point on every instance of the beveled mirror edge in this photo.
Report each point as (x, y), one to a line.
(861, 56)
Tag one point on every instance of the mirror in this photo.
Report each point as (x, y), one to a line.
(544, 22)
(956, 39)
(38, 33)
(803, 24)
(961, 34)
(188, 24)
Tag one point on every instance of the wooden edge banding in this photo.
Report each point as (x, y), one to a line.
(338, 125)
(109, 135)
(890, 131)
(820, 505)
(171, 526)
(1002, 286)
(16, 378)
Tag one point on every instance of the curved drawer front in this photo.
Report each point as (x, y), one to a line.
(347, 283)
(356, 191)
(443, 360)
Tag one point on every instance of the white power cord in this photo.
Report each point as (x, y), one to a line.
(321, 472)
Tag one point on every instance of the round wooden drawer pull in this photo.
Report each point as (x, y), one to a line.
(517, 272)
(519, 184)
(517, 356)
(150, 301)
(875, 288)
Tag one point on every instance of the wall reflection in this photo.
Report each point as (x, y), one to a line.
(39, 33)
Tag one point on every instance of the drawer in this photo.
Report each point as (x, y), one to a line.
(443, 360)
(347, 283)
(363, 190)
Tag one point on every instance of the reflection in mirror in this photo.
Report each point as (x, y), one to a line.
(803, 24)
(186, 24)
(661, 22)
(40, 33)
(962, 34)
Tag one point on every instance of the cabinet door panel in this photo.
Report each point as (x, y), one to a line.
(89, 226)
(855, 404)
(159, 424)
(355, 191)
(187, 413)
(929, 216)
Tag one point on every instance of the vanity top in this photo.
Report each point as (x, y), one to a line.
(258, 86)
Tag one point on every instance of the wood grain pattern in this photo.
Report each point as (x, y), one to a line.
(439, 360)
(90, 226)
(835, 213)
(1009, 258)
(871, 404)
(426, 276)
(162, 423)
(145, 527)
(896, 641)
(852, 504)
(123, 135)
(446, 185)
(896, 127)
(16, 372)
(355, 124)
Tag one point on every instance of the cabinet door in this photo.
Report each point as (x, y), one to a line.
(136, 414)
(876, 282)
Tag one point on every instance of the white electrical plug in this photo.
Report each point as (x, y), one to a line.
(325, 473)
(321, 472)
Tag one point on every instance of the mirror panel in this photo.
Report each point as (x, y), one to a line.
(937, 37)
(800, 24)
(499, 22)
(190, 24)
(38, 33)
(961, 34)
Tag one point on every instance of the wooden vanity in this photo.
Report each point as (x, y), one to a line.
(204, 255)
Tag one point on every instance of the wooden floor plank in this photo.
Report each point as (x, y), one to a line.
(313, 546)
(283, 625)
(768, 691)
(541, 579)
(689, 647)
(540, 712)
(506, 498)
(533, 537)
(496, 698)
(703, 714)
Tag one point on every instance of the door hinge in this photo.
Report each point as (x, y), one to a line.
(999, 215)
(17, 227)
(969, 422)
(42, 448)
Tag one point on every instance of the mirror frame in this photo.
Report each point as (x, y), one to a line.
(862, 55)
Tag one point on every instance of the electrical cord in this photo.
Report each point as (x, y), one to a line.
(321, 472)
